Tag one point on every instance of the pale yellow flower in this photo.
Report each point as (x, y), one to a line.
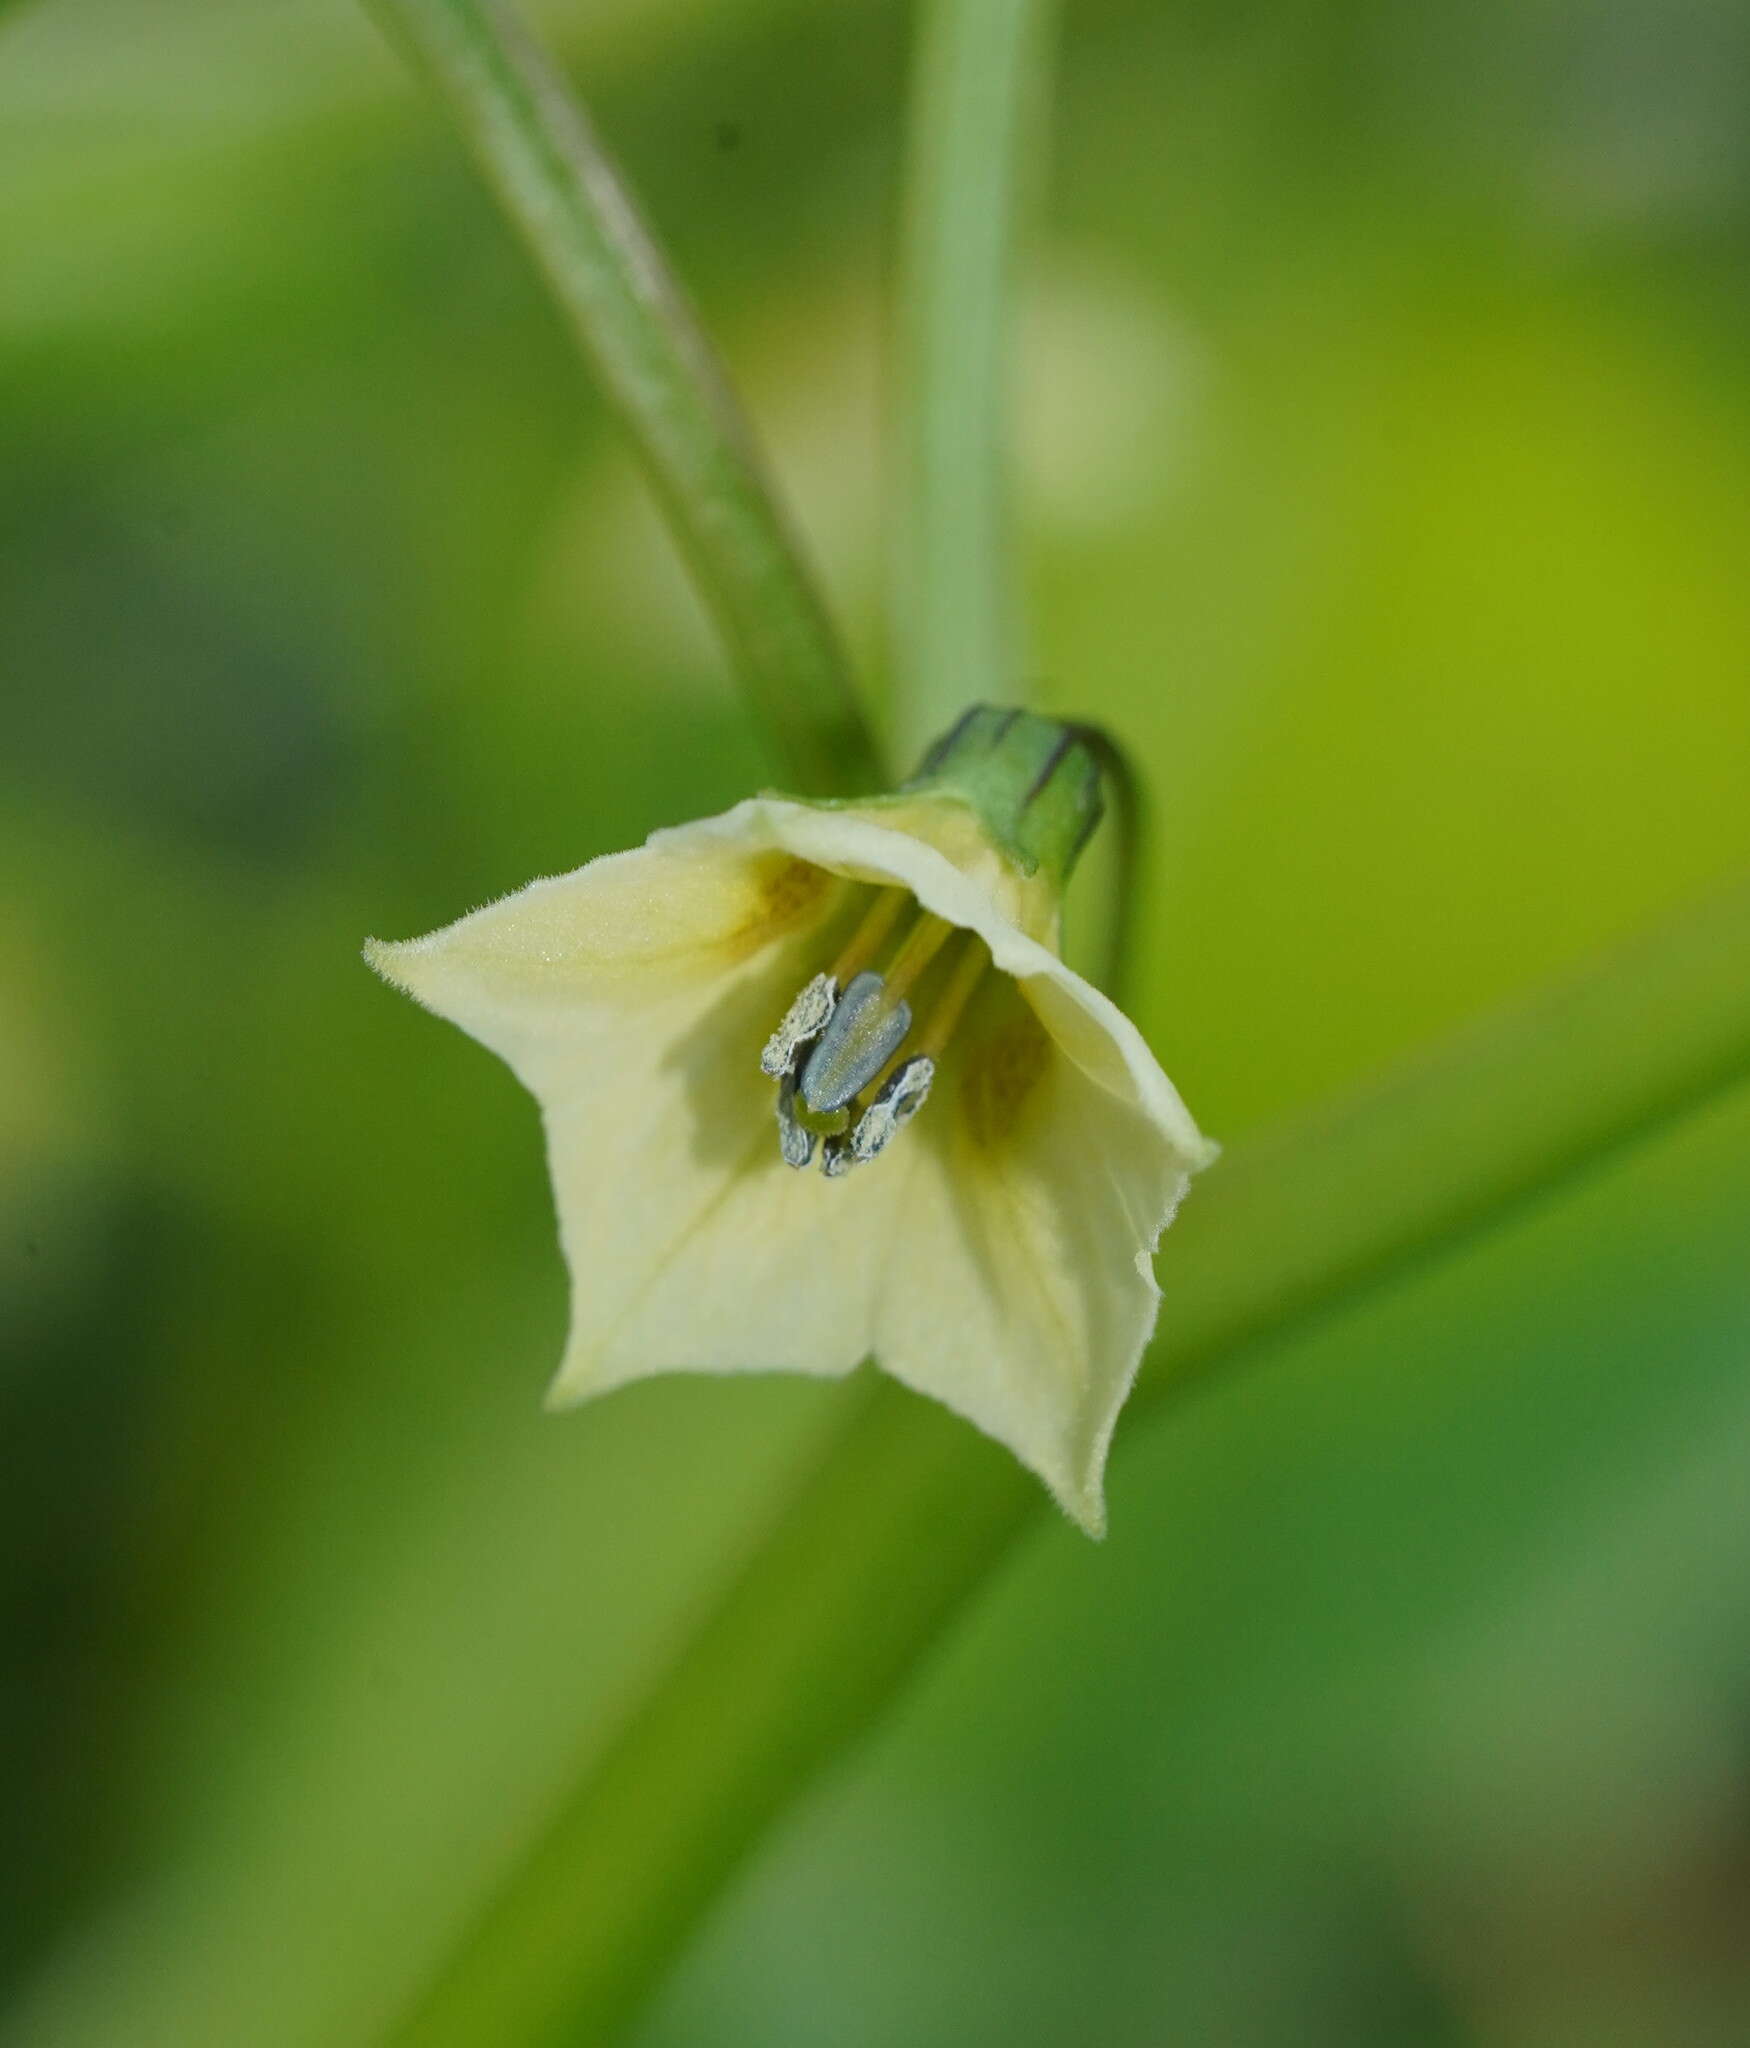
(986, 1237)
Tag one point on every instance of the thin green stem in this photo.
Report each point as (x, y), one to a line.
(908, 1512)
(544, 160)
(1125, 864)
(977, 114)
(1296, 1224)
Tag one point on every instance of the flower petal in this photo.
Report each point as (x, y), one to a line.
(1021, 1290)
(620, 934)
(997, 1258)
(632, 998)
(692, 1246)
(1022, 1295)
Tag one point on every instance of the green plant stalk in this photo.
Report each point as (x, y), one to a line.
(1449, 1143)
(977, 114)
(907, 1512)
(1120, 895)
(542, 157)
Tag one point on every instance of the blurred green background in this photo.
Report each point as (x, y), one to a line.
(1383, 435)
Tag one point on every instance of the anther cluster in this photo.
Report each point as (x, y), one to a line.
(832, 1047)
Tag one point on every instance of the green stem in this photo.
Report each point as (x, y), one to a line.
(557, 184)
(1126, 831)
(908, 1512)
(1452, 1142)
(977, 104)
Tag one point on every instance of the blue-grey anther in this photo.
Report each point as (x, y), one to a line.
(863, 1035)
(804, 1021)
(899, 1101)
(794, 1140)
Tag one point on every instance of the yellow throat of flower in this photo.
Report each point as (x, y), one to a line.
(851, 1069)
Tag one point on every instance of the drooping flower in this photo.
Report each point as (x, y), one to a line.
(817, 1087)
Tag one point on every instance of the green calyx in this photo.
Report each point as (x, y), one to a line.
(1034, 782)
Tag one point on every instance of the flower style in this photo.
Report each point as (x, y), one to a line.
(817, 1086)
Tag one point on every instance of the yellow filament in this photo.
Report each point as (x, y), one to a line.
(917, 949)
(965, 975)
(931, 1042)
(863, 944)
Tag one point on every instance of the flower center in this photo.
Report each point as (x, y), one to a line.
(850, 1070)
